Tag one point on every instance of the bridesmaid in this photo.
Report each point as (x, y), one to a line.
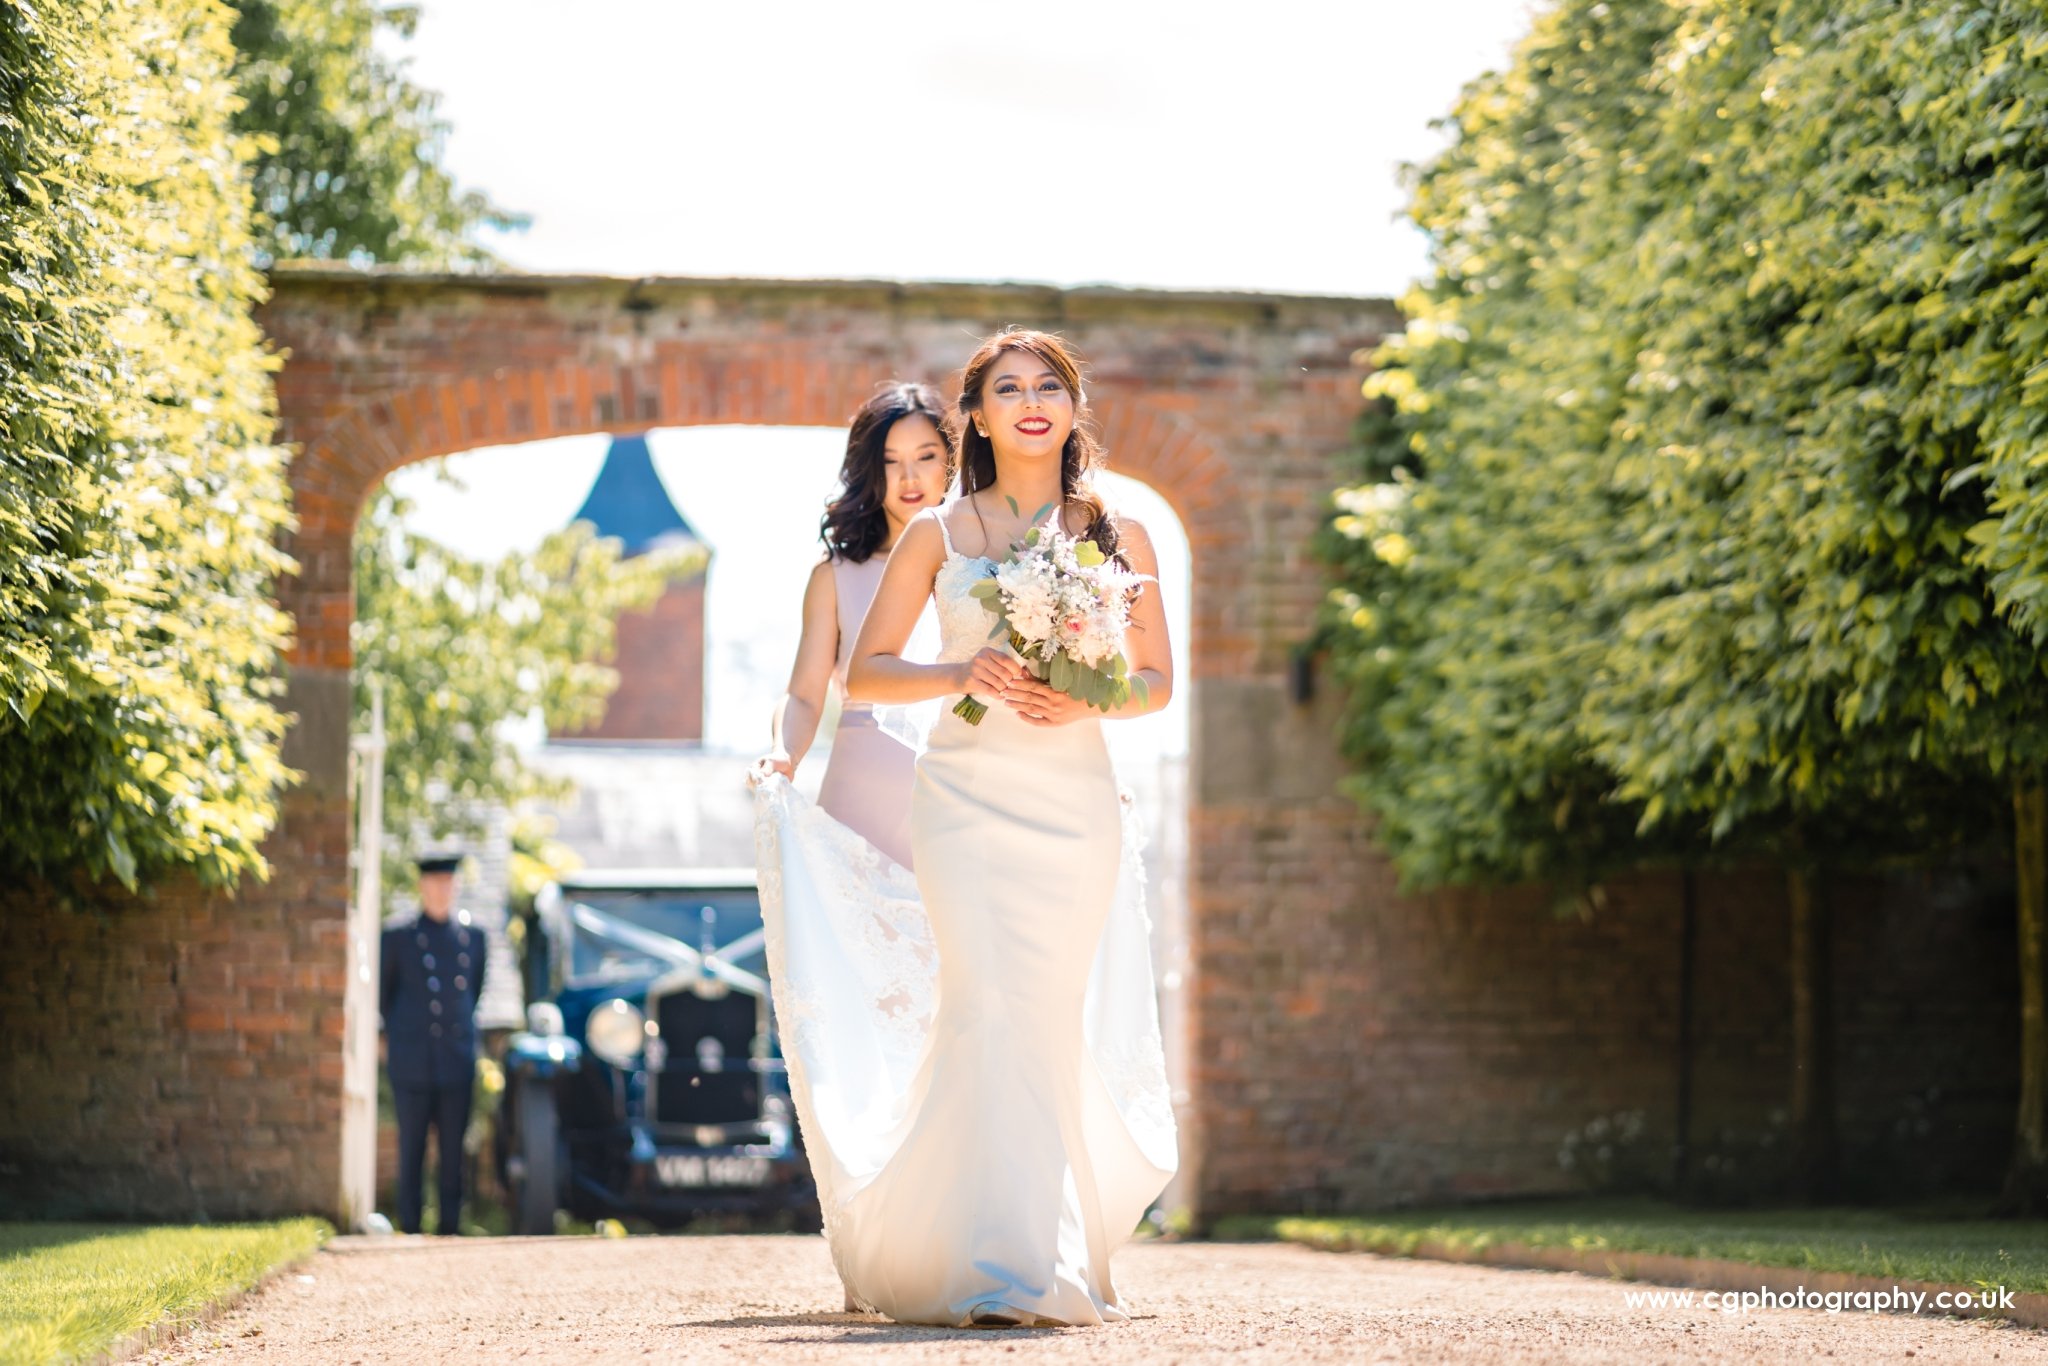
(899, 461)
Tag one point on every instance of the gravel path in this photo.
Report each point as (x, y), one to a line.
(775, 1299)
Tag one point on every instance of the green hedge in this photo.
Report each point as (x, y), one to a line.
(140, 497)
(1721, 422)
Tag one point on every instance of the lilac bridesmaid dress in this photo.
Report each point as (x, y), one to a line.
(868, 779)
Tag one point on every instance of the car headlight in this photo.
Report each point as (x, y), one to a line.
(617, 1031)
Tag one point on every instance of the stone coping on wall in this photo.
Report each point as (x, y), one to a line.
(1093, 300)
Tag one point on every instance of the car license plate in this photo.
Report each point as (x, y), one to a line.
(710, 1169)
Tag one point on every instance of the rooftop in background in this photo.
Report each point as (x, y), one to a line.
(629, 501)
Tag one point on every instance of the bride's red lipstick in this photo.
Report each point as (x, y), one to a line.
(1034, 426)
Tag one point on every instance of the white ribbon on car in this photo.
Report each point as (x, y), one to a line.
(669, 949)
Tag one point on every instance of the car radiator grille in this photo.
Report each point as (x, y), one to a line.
(707, 1076)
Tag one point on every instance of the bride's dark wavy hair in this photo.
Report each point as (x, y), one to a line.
(855, 525)
(1079, 458)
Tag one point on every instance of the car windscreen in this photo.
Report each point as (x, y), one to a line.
(616, 934)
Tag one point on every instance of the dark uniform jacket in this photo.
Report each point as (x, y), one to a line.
(433, 978)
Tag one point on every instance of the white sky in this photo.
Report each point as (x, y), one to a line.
(1248, 146)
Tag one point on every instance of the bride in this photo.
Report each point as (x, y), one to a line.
(975, 1056)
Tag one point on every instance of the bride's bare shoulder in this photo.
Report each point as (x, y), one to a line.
(957, 513)
(924, 535)
(1129, 528)
(1134, 545)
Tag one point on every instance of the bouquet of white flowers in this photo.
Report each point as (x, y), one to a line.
(1064, 606)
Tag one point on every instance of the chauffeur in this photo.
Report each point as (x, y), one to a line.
(433, 976)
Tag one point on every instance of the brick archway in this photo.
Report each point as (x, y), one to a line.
(239, 1024)
(786, 385)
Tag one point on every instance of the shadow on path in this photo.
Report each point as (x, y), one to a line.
(864, 1328)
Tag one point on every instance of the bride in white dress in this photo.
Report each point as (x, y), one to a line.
(975, 1056)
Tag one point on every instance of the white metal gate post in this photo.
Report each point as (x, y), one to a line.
(360, 1005)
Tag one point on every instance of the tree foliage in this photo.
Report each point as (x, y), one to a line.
(462, 646)
(1815, 626)
(140, 498)
(350, 163)
(1467, 622)
(1725, 315)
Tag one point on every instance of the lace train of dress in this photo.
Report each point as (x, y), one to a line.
(974, 1051)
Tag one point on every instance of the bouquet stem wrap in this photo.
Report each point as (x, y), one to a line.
(971, 708)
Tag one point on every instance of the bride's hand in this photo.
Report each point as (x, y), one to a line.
(1041, 704)
(991, 670)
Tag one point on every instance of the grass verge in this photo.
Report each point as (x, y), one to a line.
(69, 1292)
(1893, 1244)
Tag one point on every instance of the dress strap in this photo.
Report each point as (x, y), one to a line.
(939, 516)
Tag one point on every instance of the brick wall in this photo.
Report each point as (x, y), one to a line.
(177, 1057)
(660, 661)
(1450, 1047)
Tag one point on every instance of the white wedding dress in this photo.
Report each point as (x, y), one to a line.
(974, 1051)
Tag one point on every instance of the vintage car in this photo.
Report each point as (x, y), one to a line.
(649, 1082)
